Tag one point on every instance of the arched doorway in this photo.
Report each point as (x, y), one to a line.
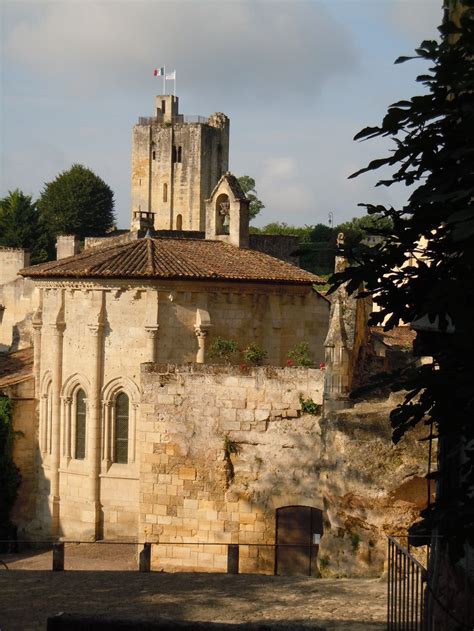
(298, 530)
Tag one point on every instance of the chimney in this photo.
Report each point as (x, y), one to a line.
(66, 245)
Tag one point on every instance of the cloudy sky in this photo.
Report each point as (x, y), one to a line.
(298, 78)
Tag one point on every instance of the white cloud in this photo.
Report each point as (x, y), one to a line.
(418, 22)
(246, 49)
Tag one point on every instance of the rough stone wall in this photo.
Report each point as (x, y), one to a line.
(372, 487)
(18, 299)
(192, 491)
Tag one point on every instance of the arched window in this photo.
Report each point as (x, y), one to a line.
(80, 440)
(165, 192)
(121, 428)
(179, 222)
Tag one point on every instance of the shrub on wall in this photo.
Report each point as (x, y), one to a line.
(223, 349)
(10, 477)
(254, 355)
(300, 355)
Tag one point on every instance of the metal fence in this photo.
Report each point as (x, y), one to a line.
(407, 583)
(234, 556)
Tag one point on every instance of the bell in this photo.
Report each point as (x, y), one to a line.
(226, 223)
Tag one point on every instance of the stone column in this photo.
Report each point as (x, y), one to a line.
(37, 324)
(92, 514)
(201, 329)
(201, 335)
(152, 336)
(54, 499)
(151, 324)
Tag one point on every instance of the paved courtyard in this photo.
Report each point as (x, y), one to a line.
(30, 592)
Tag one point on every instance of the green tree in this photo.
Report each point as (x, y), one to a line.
(19, 223)
(76, 202)
(248, 186)
(433, 137)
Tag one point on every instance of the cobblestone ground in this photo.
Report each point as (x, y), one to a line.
(102, 582)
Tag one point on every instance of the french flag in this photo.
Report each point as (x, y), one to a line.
(159, 72)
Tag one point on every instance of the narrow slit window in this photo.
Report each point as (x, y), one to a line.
(80, 445)
(180, 154)
(173, 154)
(165, 192)
(121, 429)
(153, 154)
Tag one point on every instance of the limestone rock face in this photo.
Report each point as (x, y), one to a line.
(372, 487)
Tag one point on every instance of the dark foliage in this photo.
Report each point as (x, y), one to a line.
(19, 224)
(77, 202)
(248, 186)
(433, 137)
(9, 474)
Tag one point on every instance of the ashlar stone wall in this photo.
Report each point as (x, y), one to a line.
(216, 444)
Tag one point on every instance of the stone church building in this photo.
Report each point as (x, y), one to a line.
(132, 432)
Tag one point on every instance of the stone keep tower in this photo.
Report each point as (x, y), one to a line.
(176, 163)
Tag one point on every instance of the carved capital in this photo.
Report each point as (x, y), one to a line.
(151, 331)
(200, 332)
(95, 329)
(58, 328)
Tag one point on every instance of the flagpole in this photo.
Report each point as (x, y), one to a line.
(175, 83)
(164, 80)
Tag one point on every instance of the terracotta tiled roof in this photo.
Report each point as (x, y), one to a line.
(16, 367)
(399, 336)
(186, 259)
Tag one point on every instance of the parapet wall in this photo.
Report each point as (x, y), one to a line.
(12, 260)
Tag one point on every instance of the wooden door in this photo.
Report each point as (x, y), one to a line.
(295, 553)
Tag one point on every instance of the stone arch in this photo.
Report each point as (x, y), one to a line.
(73, 383)
(46, 380)
(119, 384)
(295, 499)
(179, 222)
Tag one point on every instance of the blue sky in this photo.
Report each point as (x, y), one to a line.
(297, 78)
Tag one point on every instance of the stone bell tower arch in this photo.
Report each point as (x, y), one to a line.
(227, 213)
